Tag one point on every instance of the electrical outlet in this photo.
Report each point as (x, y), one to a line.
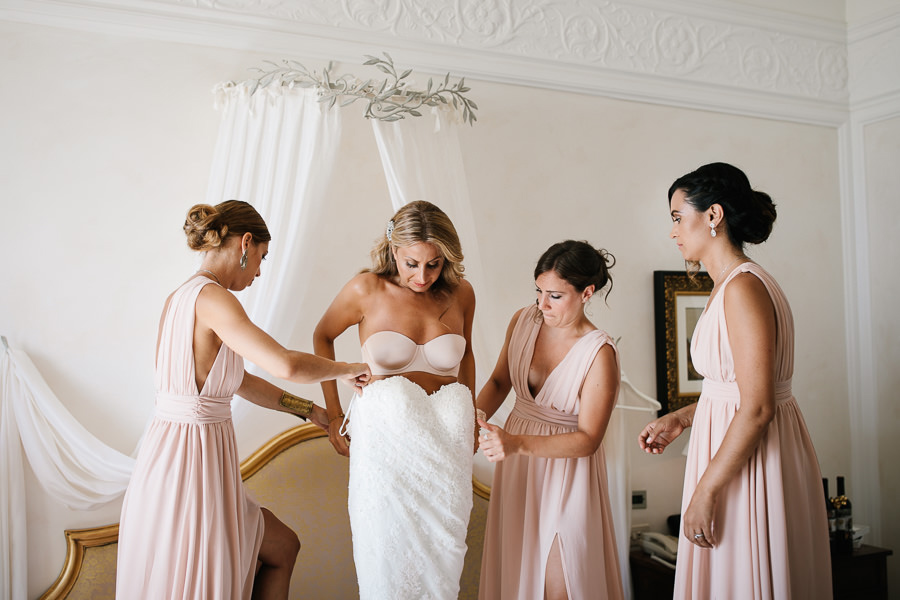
(638, 498)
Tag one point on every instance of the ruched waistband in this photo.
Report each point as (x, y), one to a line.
(525, 408)
(192, 409)
(728, 390)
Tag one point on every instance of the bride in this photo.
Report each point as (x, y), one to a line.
(413, 427)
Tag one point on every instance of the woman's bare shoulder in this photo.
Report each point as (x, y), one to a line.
(366, 283)
(746, 289)
(465, 292)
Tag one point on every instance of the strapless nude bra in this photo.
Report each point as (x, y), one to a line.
(392, 353)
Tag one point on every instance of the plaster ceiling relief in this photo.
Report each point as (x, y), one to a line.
(702, 54)
(623, 37)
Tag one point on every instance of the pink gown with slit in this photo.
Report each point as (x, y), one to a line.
(770, 520)
(188, 528)
(537, 500)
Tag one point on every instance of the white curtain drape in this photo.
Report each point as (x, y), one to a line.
(616, 444)
(276, 149)
(71, 465)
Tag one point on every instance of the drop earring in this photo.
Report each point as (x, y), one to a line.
(244, 260)
(712, 229)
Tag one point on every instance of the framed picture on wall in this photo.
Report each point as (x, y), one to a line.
(678, 302)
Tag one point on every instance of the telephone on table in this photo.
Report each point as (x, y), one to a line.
(660, 546)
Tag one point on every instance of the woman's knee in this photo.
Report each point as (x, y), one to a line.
(292, 543)
(280, 543)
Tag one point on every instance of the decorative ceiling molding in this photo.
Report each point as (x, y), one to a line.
(709, 55)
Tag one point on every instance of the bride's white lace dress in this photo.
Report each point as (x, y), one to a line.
(410, 491)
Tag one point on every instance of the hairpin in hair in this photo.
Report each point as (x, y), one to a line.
(390, 230)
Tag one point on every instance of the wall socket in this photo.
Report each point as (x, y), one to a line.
(638, 499)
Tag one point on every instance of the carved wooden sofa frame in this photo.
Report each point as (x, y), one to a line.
(301, 479)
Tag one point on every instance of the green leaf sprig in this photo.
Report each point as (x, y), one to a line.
(390, 99)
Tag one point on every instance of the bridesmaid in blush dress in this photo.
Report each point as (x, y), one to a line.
(189, 529)
(549, 531)
(754, 525)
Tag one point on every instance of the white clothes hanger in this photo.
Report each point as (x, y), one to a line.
(652, 403)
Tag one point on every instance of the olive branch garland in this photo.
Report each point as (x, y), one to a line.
(388, 100)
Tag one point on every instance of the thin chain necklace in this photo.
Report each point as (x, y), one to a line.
(731, 264)
(214, 276)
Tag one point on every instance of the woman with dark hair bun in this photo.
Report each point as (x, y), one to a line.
(549, 531)
(753, 521)
(189, 529)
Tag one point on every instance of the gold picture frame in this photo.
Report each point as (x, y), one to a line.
(678, 302)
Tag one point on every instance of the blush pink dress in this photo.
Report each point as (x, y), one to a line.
(536, 500)
(188, 527)
(770, 521)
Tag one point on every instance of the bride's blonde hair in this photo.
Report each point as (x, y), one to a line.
(420, 222)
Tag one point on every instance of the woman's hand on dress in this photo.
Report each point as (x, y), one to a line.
(495, 443)
(357, 376)
(319, 417)
(660, 433)
(697, 521)
(340, 442)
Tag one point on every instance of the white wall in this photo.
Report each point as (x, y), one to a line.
(883, 183)
(861, 10)
(106, 141)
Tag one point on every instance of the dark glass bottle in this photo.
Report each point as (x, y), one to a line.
(843, 520)
(829, 510)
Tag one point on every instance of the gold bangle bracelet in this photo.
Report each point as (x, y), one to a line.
(297, 405)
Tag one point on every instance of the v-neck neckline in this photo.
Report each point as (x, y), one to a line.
(552, 372)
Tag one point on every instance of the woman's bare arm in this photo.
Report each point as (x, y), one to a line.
(221, 312)
(496, 388)
(466, 375)
(598, 398)
(750, 318)
(345, 311)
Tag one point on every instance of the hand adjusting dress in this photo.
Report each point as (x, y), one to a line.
(770, 523)
(188, 528)
(410, 491)
(535, 500)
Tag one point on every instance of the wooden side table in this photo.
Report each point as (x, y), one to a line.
(651, 580)
(861, 574)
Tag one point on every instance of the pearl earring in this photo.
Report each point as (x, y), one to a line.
(712, 229)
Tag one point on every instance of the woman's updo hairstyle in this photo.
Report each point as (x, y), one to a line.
(579, 264)
(420, 222)
(749, 215)
(207, 227)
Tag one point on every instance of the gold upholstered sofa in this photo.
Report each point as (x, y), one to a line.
(301, 479)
